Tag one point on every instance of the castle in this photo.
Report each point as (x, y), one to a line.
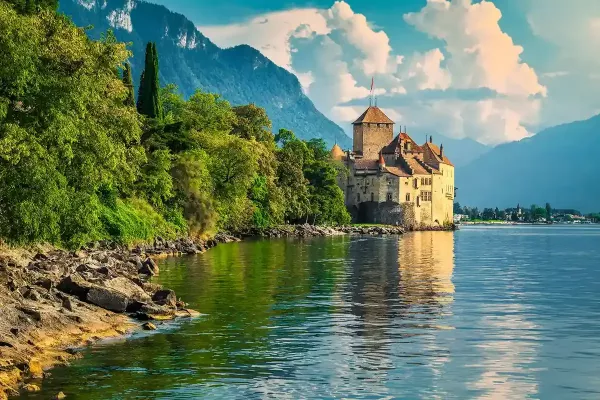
(392, 180)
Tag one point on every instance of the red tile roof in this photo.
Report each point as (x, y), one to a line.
(398, 171)
(373, 115)
(436, 153)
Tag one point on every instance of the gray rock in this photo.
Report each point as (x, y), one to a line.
(108, 299)
(67, 303)
(128, 288)
(75, 285)
(149, 267)
(149, 326)
(165, 297)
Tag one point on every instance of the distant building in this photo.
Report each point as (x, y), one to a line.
(394, 180)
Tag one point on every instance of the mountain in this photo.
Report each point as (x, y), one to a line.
(460, 151)
(558, 165)
(188, 59)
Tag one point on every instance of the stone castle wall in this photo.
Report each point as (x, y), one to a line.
(369, 138)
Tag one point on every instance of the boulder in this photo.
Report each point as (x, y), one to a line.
(45, 283)
(149, 267)
(116, 295)
(108, 299)
(165, 297)
(128, 288)
(75, 285)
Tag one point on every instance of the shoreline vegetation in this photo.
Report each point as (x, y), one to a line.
(84, 160)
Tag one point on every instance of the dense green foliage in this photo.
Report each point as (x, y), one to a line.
(128, 82)
(188, 59)
(79, 163)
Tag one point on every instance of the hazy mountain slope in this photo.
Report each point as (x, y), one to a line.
(190, 60)
(460, 151)
(558, 165)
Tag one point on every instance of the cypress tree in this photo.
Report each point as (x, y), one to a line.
(143, 89)
(128, 82)
(148, 95)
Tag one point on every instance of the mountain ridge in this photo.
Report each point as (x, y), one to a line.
(187, 58)
(556, 166)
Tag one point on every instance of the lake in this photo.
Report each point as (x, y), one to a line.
(485, 312)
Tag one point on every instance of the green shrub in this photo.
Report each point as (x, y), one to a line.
(134, 220)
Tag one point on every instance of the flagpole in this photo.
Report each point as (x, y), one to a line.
(371, 95)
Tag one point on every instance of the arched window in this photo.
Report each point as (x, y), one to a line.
(389, 197)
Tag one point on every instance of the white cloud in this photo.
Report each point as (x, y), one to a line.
(336, 51)
(573, 26)
(572, 29)
(480, 53)
(425, 71)
(270, 33)
(374, 45)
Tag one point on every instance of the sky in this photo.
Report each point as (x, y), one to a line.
(493, 71)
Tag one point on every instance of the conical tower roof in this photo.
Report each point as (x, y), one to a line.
(373, 114)
(337, 153)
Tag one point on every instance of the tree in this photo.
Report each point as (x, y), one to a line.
(548, 212)
(488, 214)
(128, 82)
(65, 135)
(148, 95)
(457, 208)
(252, 122)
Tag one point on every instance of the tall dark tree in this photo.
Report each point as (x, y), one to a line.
(548, 211)
(148, 95)
(128, 82)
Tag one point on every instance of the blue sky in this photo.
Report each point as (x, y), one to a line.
(494, 71)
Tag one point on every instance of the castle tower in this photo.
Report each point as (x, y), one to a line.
(372, 130)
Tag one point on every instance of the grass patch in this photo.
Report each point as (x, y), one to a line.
(133, 221)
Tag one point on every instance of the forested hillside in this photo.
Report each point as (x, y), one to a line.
(188, 59)
(83, 156)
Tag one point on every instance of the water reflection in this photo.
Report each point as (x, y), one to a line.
(471, 314)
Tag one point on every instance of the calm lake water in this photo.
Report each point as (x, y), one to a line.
(486, 312)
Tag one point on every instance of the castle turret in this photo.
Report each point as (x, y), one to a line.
(381, 162)
(337, 153)
(372, 131)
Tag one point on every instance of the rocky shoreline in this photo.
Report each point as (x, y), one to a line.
(54, 302)
(306, 230)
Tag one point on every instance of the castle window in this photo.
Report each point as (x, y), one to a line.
(358, 197)
(407, 196)
(416, 183)
(389, 197)
(418, 202)
(426, 195)
(372, 196)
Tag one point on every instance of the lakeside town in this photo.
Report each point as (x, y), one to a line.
(521, 215)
